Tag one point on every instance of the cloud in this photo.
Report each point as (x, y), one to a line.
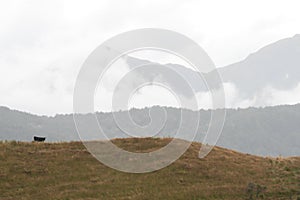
(44, 43)
(271, 96)
(267, 96)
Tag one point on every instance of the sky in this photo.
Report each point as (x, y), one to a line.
(44, 43)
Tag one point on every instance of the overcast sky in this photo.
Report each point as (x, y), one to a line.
(44, 43)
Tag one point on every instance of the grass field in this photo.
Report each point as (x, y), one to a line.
(69, 171)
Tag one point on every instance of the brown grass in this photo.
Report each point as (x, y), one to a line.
(68, 171)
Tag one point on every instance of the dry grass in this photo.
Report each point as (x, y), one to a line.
(68, 171)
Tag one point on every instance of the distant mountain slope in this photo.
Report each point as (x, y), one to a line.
(262, 131)
(275, 66)
(68, 171)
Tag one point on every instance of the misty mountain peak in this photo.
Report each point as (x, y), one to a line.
(297, 36)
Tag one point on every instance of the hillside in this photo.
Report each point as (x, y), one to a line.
(68, 171)
(270, 131)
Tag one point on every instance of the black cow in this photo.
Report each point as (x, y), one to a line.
(39, 139)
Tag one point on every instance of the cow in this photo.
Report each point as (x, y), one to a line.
(39, 139)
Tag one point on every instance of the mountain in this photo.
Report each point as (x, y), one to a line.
(276, 66)
(270, 131)
(69, 171)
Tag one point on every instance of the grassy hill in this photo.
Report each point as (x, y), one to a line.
(69, 171)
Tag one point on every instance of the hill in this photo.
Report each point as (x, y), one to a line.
(68, 171)
(270, 131)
